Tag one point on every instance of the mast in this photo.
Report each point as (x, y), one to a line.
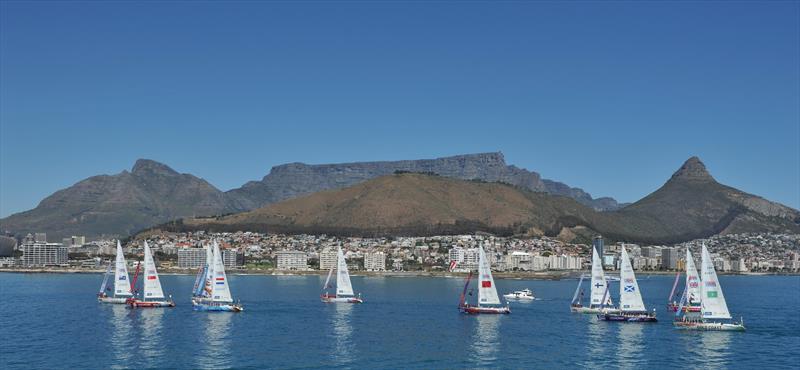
(713, 301)
(630, 297)
(220, 291)
(122, 287)
(343, 285)
(487, 292)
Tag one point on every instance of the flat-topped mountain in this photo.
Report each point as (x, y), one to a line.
(295, 179)
(690, 205)
(121, 204)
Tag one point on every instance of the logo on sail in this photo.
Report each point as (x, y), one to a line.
(711, 283)
(486, 284)
(712, 294)
(629, 288)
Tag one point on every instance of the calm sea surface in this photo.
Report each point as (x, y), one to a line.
(53, 321)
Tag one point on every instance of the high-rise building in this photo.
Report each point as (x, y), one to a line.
(232, 258)
(40, 237)
(375, 261)
(292, 260)
(597, 242)
(669, 258)
(44, 254)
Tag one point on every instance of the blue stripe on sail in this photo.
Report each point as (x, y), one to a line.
(220, 283)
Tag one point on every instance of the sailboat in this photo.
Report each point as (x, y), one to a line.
(153, 295)
(691, 291)
(713, 308)
(631, 305)
(600, 300)
(215, 293)
(344, 288)
(122, 285)
(487, 291)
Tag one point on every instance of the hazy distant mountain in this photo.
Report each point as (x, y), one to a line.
(690, 205)
(121, 204)
(296, 179)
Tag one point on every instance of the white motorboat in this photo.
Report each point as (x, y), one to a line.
(523, 295)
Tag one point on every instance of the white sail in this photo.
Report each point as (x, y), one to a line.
(692, 280)
(220, 291)
(152, 285)
(343, 285)
(209, 270)
(598, 288)
(487, 292)
(714, 306)
(630, 298)
(122, 284)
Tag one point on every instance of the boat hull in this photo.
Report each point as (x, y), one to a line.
(708, 326)
(217, 307)
(475, 310)
(592, 310)
(520, 297)
(135, 303)
(112, 300)
(334, 299)
(627, 317)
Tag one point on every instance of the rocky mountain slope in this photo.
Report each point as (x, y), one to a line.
(121, 204)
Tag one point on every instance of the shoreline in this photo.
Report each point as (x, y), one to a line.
(539, 275)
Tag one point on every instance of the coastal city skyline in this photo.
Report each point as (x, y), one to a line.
(603, 108)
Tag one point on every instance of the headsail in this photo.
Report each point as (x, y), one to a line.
(577, 290)
(692, 281)
(209, 283)
(104, 285)
(487, 292)
(220, 291)
(152, 285)
(714, 306)
(122, 284)
(328, 280)
(343, 285)
(598, 288)
(630, 298)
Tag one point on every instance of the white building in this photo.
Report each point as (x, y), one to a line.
(327, 259)
(466, 259)
(375, 261)
(191, 257)
(292, 260)
(44, 254)
(519, 260)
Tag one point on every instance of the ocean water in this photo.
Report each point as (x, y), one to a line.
(53, 321)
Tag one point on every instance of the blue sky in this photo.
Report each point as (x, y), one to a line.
(609, 97)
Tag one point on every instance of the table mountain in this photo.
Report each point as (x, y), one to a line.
(690, 205)
(296, 179)
(121, 204)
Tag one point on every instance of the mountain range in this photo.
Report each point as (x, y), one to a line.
(467, 193)
(690, 205)
(153, 193)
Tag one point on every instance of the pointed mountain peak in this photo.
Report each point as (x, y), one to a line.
(693, 170)
(143, 166)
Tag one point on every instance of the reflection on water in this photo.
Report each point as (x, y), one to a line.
(631, 342)
(598, 342)
(342, 333)
(486, 342)
(217, 340)
(151, 344)
(120, 324)
(711, 348)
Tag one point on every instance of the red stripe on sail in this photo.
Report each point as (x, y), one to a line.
(220, 278)
(151, 278)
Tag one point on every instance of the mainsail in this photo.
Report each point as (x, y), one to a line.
(487, 292)
(598, 288)
(220, 291)
(692, 281)
(122, 286)
(343, 285)
(630, 298)
(714, 306)
(152, 285)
